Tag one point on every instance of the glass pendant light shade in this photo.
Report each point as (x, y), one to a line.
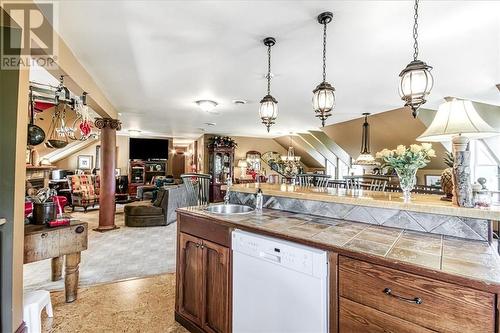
(323, 101)
(416, 83)
(365, 158)
(268, 110)
(324, 94)
(416, 80)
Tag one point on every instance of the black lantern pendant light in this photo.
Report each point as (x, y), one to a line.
(416, 79)
(365, 158)
(324, 94)
(268, 110)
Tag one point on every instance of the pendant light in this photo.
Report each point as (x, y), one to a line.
(416, 79)
(324, 95)
(268, 110)
(365, 158)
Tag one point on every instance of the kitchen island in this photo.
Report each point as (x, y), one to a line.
(382, 278)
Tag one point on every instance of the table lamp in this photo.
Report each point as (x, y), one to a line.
(457, 120)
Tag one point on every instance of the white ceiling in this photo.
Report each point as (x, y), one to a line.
(153, 59)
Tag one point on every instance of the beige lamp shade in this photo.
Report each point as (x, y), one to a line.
(242, 164)
(457, 117)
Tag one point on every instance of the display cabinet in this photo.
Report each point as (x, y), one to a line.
(137, 176)
(221, 167)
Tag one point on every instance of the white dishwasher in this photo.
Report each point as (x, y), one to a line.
(278, 286)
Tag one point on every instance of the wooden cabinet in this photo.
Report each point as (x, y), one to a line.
(221, 167)
(203, 279)
(190, 278)
(215, 287)
(395, 301)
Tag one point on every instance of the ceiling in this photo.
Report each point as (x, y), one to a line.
(154, 59)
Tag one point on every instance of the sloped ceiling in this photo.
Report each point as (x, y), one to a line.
(388, 129)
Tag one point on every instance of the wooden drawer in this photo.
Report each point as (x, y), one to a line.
(356, 318)
(444, 307)
(73, 239)
(39, 246)
(204, 229)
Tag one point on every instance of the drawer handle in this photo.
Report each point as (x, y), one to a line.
(44, 235)
(79, 229)
(416, 300)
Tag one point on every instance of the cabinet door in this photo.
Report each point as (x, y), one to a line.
(190, 280)
(215, 288)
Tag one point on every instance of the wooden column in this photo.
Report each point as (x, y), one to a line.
(108, 129)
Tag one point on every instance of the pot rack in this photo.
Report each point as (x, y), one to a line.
(45, 96)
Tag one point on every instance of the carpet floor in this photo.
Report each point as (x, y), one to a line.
(120, 254)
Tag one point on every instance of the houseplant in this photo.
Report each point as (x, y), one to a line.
(406, 162)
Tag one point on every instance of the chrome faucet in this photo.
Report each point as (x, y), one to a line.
(226, 197)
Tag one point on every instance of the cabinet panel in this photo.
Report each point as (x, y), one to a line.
(204, 229)
(190, 278)
(442, 306)
(215, 287)
(356, 318)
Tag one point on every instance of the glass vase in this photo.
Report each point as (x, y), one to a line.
(407, 181)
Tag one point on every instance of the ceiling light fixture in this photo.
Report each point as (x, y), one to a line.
(416, 79)
(365, 158)
(290, 161)
(268, 110)
(324, 94)
(239, 101)
(206, 105)
(134, 133)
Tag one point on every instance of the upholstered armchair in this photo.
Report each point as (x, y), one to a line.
(83, 191)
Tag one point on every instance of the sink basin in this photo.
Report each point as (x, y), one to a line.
(229, 209)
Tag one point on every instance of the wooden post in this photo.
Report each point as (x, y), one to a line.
(108, 129)
(57, 265)
(72, 276)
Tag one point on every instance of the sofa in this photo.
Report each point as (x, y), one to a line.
(161, 212)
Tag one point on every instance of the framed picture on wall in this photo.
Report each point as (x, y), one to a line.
(432, 180)
(85, 162)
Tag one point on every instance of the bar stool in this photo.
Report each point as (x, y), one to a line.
(34, 303)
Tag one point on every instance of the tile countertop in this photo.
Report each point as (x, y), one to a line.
(476, 260)
(425, 203)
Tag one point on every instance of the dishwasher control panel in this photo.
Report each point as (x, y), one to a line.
(294, 256)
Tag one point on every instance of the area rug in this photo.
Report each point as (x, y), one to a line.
(114, 255)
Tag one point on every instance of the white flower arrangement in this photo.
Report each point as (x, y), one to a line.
(416, 156)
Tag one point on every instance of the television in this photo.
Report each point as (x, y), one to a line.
(148, 149)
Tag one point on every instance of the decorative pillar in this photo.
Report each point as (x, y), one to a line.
(108, 127)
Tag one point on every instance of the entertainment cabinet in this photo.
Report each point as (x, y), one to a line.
(142, 172)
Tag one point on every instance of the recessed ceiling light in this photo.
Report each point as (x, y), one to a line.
(210, 124)
(134, 133)
(239, 101)
(206, 105)
(119, 113)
